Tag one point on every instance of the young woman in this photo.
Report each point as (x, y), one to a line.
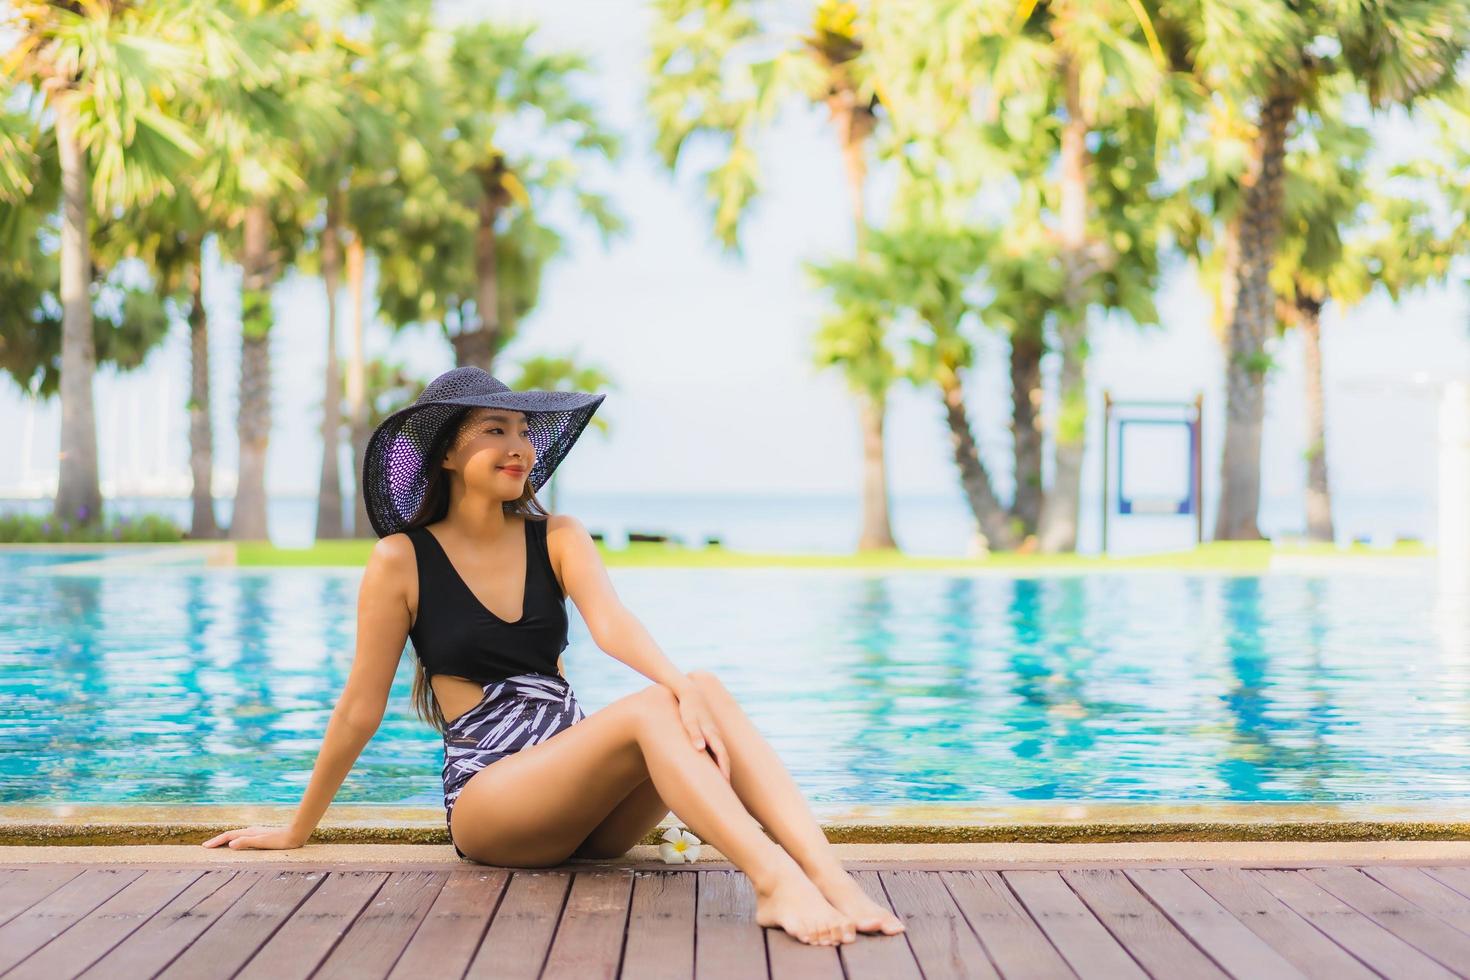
(528, 780)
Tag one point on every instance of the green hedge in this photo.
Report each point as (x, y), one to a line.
(30, 528)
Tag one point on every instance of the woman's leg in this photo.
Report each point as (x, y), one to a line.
(629, 822)
(533, 808)
(770, 794)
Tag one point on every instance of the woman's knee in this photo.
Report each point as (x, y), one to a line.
(708, 683)
(654, 708)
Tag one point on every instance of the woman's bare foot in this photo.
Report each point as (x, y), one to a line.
(846, 895)
(795, 905)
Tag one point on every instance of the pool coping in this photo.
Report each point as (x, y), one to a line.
(1075, 823)
(911, 857)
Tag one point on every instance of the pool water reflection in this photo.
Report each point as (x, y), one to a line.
(214, 686)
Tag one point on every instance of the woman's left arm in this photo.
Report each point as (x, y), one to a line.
(618, 632)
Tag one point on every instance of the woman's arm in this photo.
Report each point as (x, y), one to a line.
(619, 633)
(382, 631)
(614, 629)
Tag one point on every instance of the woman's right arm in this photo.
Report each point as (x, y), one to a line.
(382, 632)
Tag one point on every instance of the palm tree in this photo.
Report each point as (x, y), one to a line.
(922, 269)
(1269, 60)
(459, 229)
(397, 116)
(1090, 43)
(699, 46)
(289, 114)
(168, 236)
(106, 73)
(1342, 238)
(1072, 101)
(494, 88)
(362, 72)
(130, 317)
(1061, 78)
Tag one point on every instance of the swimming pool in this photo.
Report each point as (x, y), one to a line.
(159, 685)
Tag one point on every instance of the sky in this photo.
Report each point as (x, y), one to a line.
(711, 354)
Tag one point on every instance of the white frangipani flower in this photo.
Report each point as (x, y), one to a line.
(680, 846)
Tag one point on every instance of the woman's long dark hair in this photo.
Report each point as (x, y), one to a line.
(434, 509)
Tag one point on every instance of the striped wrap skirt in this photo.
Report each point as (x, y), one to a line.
(515, 712)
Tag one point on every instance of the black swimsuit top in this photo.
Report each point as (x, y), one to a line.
(454, 632)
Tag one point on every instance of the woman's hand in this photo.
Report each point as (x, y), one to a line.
(258, 838)
(700, 724)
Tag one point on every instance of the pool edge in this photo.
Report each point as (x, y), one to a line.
(1064, 823)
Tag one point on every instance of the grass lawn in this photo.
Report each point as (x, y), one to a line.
(1241, 556)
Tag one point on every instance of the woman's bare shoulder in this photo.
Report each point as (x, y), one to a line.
(564, 522)
(393, 549)
(394, 572)
(565, 536)
(395, 563)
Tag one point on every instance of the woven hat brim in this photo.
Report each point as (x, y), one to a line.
(394, 464)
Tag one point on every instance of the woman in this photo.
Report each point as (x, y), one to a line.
(528, 780)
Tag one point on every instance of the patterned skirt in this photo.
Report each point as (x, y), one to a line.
(514, 713)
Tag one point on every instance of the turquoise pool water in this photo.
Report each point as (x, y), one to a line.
(214, 686)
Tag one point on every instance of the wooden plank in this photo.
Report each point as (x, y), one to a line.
(728, 944)
(791, 959)
(1380, 949)
(105, 926)
(24, 887)
(589, 939)
(520, 934)
(1144, 931)
(1426, 892)
(1288, 933)
(1232, 946)
(312, 931)
(874, 954)
(234, 936)
(54, 914)
(1453, 877)
(941, 939)
(1072, 928)
(383, 930)
(1016, 945)
(1427, 933)
(660, 939)
(449, 936)
(155, 944)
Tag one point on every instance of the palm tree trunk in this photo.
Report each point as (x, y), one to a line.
(249, 521)
(479, 345)
(1057, 527)
(1248, 301)
(78, 491)
(201, 439)
(990, 516)
(1027, 348)
(356, 386)
(855, 124)
(1319, 495)
(877, 532)
(329, 493)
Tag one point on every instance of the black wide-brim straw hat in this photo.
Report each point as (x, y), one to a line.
(395, 466)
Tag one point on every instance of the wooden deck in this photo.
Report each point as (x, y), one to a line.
(1342, 921)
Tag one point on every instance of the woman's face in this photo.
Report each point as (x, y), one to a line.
(493, 453)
